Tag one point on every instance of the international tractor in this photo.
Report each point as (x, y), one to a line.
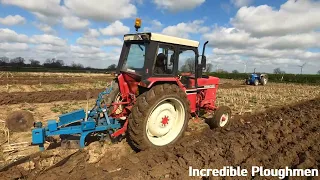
(150, 101)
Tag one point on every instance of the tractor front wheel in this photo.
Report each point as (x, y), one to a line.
(159, 117)
(221, 118)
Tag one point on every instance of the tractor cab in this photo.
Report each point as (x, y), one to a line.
(156, 55)
(147, 56)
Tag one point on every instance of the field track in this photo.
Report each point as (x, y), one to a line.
(47, 96)
(279, 137)
(51, 80)
(59, 95)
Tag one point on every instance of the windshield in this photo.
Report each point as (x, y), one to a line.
(136, 57)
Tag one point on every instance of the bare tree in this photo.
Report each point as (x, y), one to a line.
(235, 71)
(34, 63)
(112, 67)
(278, 71)
(209, 67)
(4, 61)
(53, 63)
(188, 66)
(77, 65)
(319, 72)
(18, 61)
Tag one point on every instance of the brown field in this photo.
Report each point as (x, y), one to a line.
(274, 126)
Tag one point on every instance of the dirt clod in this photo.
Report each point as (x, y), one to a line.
(19, 121)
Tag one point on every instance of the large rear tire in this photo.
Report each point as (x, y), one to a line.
(159, 117)
(114, 97)
(264, 81)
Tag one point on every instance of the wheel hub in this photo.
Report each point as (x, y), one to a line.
(159, 124)
(165, 122)
(224, 119)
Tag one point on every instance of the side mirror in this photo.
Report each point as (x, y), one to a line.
(204, 62)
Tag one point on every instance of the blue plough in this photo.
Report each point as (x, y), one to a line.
(77, 123)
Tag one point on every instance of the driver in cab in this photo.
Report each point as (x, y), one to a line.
(160, 65)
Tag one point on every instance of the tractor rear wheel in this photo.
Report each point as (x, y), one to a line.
(159, 117)
(264, 81)
(221, 118)
(113, 97)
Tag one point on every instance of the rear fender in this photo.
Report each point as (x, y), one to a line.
(153, 81)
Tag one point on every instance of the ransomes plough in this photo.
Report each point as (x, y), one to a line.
(150, 102)
(80, 123)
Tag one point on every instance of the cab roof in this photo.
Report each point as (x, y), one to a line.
(162, 38)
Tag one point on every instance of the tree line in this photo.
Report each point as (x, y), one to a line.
(19, 62)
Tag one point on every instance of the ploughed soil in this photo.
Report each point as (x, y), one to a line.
(279, 137)
(51, 80)
(59, 95)
(47, 96)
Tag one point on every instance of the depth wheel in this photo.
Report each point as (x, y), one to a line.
(221, 118)
(159, 117)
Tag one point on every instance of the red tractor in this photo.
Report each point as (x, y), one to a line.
(155, 100)
(150, 100)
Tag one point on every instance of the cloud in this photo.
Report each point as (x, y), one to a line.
(90, 41)
(268, 38)
(92, 33)
(50, 20)
(155, 26)
(112, 42)
(75, 23)
(41, 47)
(295, 16)
(177, 5)
(48, 11)
(50, 48)
(240, 3)
(47, 7)
(183, 30)
(273, 56)
(45, 28)
(98, 10)
(223, 37)
(85, 49)
(115, 29)
(12, 20)
(8, 35)
(48, 39)
(11, 47)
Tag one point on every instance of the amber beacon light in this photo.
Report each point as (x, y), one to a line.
(137, 24)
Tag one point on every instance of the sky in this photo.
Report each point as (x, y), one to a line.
(242, 34)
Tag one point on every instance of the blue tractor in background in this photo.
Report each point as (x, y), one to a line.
(256, 79)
